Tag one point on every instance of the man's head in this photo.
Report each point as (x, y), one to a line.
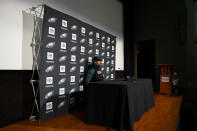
(97, 61)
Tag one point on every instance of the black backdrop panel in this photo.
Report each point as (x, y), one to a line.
(67, 45)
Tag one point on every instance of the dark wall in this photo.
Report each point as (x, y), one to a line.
(188, 115)
(162, 21)
(16, 96)
(191, 43)
(128, 37)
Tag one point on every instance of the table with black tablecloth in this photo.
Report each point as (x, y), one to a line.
(119, 103)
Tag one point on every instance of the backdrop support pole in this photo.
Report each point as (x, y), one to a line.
(35, 44)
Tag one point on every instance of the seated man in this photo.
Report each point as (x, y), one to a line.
(94, 73)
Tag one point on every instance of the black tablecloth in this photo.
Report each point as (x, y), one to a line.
(119, 103)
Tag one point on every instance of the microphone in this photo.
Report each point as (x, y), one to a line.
(127, 77)
(130, 78)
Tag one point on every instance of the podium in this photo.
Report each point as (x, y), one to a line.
(165, 75)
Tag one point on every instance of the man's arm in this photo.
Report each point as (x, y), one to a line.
(89, 75)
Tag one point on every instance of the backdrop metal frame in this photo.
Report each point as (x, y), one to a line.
(36, 42)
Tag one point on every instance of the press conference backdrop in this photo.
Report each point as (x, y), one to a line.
(68, 44)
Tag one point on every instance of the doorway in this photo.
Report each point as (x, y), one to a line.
(146, 60)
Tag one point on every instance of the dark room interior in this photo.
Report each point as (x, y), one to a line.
(147, 58)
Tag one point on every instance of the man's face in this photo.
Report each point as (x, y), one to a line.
(97, 63)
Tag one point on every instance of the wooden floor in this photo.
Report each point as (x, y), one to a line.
(162, 117)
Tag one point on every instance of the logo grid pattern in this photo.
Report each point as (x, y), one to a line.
(67, 45)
